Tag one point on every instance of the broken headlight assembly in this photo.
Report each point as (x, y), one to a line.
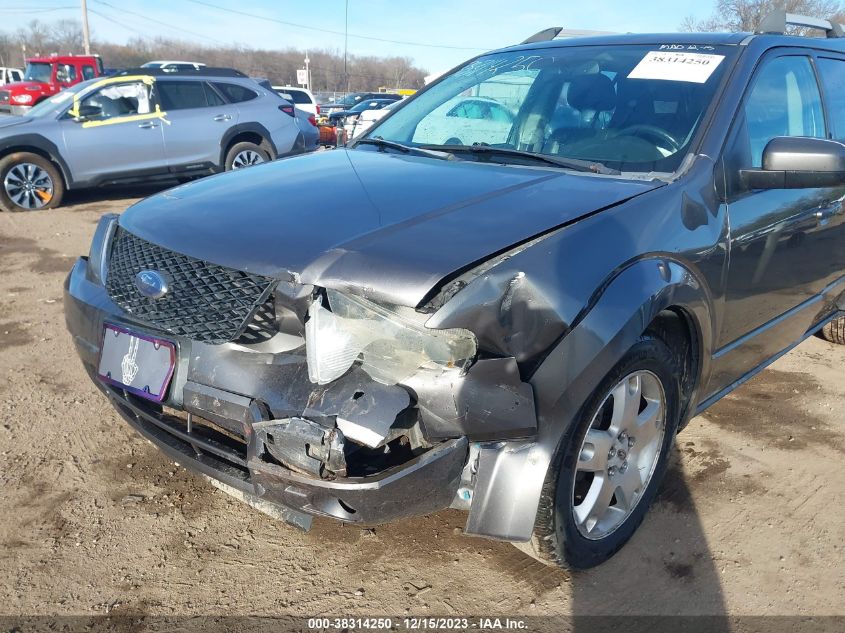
(98, 255)
(391, 345)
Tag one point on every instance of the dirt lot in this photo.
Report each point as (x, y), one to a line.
(94, 520)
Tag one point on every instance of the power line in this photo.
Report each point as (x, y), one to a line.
(32, 10)
(112, 20)
(319, 30)
(161, 22)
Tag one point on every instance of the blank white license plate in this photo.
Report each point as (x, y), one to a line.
(141, 364)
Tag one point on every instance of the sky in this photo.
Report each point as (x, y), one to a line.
(436, 34)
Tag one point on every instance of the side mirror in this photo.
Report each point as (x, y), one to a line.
(87, 112)
(798, 162)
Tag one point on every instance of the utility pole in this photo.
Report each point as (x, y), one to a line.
(86, 36)
(308, 71)
(346, 46)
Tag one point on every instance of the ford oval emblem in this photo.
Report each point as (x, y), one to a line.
(151, 283)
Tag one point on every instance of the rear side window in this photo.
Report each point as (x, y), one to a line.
(181, 95)
(88, 72)
(832, 72)
(784, 101)
(295, 96)
(235, 93)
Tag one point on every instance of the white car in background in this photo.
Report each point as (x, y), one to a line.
(369, 117)
(302, 98)
(173, 66)
(10, 75)
(464, 120)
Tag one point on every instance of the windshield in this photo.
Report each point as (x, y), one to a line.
(367, 105)
(633, 108)
(39, 71)
(350, 99)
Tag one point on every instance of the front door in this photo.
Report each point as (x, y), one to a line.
(775, 269)
(113, 132)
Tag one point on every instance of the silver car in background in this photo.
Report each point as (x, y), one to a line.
(144, 125)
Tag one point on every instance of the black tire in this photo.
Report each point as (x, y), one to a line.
(834, 331)
(244, 146)
(8, 163)
(556, 539)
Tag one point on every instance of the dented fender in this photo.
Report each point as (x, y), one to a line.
(510, 475)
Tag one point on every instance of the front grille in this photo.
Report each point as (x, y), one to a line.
(204, 302)
(4, 96)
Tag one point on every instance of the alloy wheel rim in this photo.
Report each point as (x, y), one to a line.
(618, 455)
(246, 158)
(28, 186)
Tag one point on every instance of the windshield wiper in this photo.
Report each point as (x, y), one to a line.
(558, 161)
(405, 149)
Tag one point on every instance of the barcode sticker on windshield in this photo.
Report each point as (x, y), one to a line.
(692, 67)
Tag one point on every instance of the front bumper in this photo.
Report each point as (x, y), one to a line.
(211, 428)
(16, 110)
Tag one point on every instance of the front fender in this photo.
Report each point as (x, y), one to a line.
(510, 475)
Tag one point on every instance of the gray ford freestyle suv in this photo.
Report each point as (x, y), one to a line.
(143, 125)
(516, 327)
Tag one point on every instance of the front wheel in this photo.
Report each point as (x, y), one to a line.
(834, 331)
(610, 463)
(245, 155)
(29, 182)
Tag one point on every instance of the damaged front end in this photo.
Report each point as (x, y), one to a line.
(323, 404)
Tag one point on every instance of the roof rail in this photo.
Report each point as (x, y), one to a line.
(205, 71)
(777, 21)
(544, 36)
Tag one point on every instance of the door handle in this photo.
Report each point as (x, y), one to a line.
(223, 117)
(147, 125)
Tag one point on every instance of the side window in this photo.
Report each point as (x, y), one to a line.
(66, 73)
(116, 100)
(832, 72)
(500, 114)
(784, 101)
(181, 95)
(88, 72)
(466, 110)
(235, 93)
(211, 96)
(295, 96)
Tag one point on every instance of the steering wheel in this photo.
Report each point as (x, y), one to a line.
(655, 133)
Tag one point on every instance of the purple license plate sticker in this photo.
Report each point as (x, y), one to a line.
(141, 364)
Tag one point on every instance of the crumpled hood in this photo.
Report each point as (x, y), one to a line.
(392, 226)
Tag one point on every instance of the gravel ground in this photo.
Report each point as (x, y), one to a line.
(93, 520)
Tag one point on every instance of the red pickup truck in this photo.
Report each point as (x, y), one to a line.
(44, 77)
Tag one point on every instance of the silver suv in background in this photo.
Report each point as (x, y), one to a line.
(143, 125)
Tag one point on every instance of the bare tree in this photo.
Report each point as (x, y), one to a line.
(67, 36)
(745, 15)
(279, 66)
(37, 37)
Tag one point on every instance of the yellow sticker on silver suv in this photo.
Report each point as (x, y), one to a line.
(669, 66)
